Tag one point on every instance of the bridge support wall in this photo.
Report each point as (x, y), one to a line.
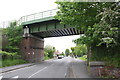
(32, 49)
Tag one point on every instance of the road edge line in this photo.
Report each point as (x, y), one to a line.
(16, 68)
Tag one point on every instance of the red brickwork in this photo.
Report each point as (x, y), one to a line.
(32, 49)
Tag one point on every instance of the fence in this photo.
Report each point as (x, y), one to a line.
(30, 17)
(39, 15)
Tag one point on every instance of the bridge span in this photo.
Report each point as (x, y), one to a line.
(39, 26)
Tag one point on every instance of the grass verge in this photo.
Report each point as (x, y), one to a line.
(46, 58)
(84, 58)
(12, 62)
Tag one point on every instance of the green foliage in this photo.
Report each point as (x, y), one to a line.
(49, 50)
(7, 55)
(84, 58)
(46, 56)
(67, 52)
(45, 53)
(62, 54)
(10, 59)
(81, 14)
(0, 63)
(14, 34)
(79, 50)
(100, 23)
(72, 49)
(109, 55)
(3, 38)
(11, 62)
(93, 18)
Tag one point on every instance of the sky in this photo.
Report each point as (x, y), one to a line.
(61, 43)
(15, 9)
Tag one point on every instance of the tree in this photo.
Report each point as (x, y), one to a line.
(67, 52)
(62, 54)
(49, 50)
(72, 49)
(14, 35)
(11, 37)
(100, 24)
(80, 50)
(3, 38)
(83, 16)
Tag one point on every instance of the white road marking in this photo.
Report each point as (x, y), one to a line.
(1, 77)
(40, 70)
(37, 72)
(15, 77)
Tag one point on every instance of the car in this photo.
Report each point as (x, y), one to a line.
(75, 56)
(60, 57)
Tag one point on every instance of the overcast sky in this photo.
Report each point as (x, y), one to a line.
(14, 9)
(61, 43)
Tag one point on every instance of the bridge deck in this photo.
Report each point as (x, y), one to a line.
(38, 20)
(36, 17)
(44, 25)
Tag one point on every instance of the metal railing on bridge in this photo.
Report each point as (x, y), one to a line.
(30, 17)
(39, 15)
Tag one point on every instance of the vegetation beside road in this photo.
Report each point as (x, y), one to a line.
(13, 33)
(84, 58)
(10, 59)
(67, 52)
(79, 50)
(11, 62)
(101, 28)
(11, 38)
(100, 23)
(49, 52)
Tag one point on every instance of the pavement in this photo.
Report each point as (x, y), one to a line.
(11, 68)
(57, 68)
(80, 69)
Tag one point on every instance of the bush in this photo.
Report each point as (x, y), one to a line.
(49, 50)
(46, 56)
(7, 55)
(110, 55)
(10, 59)
(11, 62)
(84, 58)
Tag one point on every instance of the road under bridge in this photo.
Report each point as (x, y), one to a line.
(39, 26)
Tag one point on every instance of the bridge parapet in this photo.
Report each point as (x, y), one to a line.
(36, 16)
(39, 26)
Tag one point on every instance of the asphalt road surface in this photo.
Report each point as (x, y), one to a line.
(57, 68)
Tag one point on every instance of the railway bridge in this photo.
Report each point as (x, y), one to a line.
(37, 27)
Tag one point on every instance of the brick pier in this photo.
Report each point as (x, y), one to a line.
(32, 49)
